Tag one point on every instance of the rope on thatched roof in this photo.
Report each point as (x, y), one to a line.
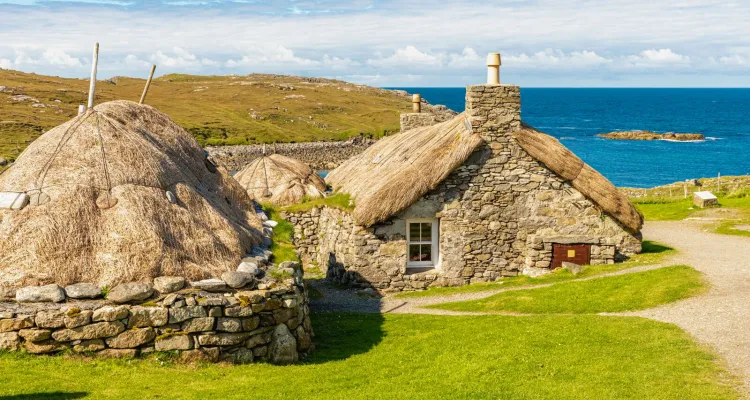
(396, 171)
(585, 179)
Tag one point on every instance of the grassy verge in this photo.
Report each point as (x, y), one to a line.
(370, 356)
(663, 207)
(730, 228)
(342, 201)
(627, 292)
(652, 253)
(282, 245)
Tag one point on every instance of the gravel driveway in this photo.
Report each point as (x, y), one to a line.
(720, 317)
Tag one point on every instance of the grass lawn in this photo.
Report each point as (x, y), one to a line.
(626, 292)
(661, 207)
(731, 228)
(370, 356)
(652, 253)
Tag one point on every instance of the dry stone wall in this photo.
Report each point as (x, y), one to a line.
(318, 155)
(268, 320)
(500, 214)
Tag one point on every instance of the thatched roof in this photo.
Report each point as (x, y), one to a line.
(396, 171)
(280, 180)
(585, 179)
(99, 211)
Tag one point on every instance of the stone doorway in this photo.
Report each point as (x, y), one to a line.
(575, 253)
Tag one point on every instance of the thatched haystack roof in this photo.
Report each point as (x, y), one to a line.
(585, 179)
(395, 172)
(100, 211)
(280, 180)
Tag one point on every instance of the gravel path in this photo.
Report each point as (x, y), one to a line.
(720, 317)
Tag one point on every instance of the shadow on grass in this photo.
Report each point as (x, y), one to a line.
(339, 336)
(46, 396)
(649, 247)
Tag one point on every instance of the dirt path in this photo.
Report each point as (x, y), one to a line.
(721, 317)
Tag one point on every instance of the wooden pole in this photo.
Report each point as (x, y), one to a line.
(686, 190)
(148, 84)
(718, 183)
(92, 84)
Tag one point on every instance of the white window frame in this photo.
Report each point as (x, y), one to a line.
(435, 243)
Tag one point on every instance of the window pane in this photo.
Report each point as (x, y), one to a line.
(414, 252)
(414, 232)
(426, 232)
(426, 252)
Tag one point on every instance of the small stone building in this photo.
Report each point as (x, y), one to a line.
(473, 199)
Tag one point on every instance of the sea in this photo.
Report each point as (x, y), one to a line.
(575, 116)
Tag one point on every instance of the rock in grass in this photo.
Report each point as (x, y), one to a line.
(47, 293)
(83, 291)
(574, 268)
(169, 284)
(237, 279)
(283, 346)
(129, 292)
(270, 223)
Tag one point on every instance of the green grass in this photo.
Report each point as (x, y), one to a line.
(730, 228)
(216, 110)
(659, 205)
(626, 292)
(652, 253)
(282, 240)
(342, 201)
(370, 356)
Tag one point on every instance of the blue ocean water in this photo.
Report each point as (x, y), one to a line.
(575, 116)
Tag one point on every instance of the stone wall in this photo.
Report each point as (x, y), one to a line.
(318, 155)
(500, 214)
(416, 120)
(209, 322)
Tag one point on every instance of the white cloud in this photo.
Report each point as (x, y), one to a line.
(657, 58)
(59, 57)
(269, 55)
(467, 59)
(408, 56)
(557, 59)
(180, 58)
(338, 64)
(132, 61)
(5, 63)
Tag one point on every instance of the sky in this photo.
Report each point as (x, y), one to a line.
(390, 43)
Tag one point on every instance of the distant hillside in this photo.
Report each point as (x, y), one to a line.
(217, 110)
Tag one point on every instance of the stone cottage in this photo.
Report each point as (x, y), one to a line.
(472, 199)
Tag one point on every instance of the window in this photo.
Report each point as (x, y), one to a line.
(422, 242)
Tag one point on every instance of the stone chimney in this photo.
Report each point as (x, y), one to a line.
(494, 109)
(417, 118)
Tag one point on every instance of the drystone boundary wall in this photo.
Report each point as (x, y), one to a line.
(318, 155)
(268, 323)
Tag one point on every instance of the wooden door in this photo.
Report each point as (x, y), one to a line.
(576, 253)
